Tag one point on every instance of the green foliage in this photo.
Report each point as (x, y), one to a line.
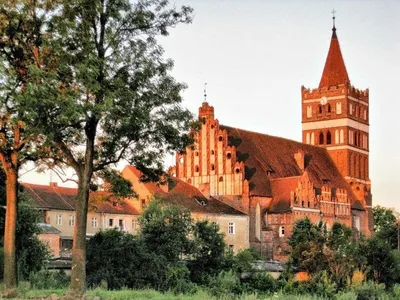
(369, 291)
(385, 225)
(244, 260)
(261, 282)
(46, 279)
(31, 252)
(226, 284)
(177, 280)
(165, 229)
(307, 243)
(209, 252)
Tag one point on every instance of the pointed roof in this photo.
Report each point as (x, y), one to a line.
(335, 72)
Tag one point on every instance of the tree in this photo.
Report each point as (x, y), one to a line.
(307, 243)
(209, 253)
(102, 92)
(20, 40)
(385, 225)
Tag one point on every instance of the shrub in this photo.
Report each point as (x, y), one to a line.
(369, 291)
(177, 280)
(225, 284)
(46, 279)
(261, 282)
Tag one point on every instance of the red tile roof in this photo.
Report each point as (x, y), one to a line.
(281, 189)
(191, 198)
(335, 72)
(152, 187)
(262, 153)
(63, 198)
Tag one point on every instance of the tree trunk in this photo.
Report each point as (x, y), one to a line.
(10, 262)
(78, 272)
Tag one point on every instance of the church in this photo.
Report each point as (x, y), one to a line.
(276, 181)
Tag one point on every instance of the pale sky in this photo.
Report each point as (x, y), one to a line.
(255, 55)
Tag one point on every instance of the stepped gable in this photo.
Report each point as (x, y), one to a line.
(186, 195)
(281, 189)
(269, 157)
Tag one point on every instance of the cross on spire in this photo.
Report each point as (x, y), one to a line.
(205, 92)
(333, 18)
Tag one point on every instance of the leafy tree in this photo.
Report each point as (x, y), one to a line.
(307, 243)
(209, 253)
(385, 225)
(166, 230)
(102, 92)
(20, 41)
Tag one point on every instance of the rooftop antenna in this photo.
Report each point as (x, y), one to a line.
(205, 92)
(333, 18)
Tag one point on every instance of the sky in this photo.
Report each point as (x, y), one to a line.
(255, 55)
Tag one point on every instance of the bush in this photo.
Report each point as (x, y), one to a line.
(261, 282)
(369, 291)
(177, 280)
(46, 279)
(225, 284)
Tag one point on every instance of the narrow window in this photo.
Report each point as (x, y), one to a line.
(312, 138)
(328, 138)
(320, 109)
(351, 109)
(59, 220)
(212, 152)
(229, 156)
(143, 202)
(231, 228)
(281, 231)
(337, 140)
(121, 225)
(221, 179)
(212, 167)
(196, 153)
(321, 138)
(135, 225)
(308, 138)
(196, 168)
(71, 221)
(341, 136)
(230, 249)
(328, 108)
(220, 138)
(94, 222)
(110, 222)
(338, 108)
(309, 111)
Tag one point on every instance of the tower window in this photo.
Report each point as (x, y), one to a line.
(196, 168)
(212, 152)
(309, 111)
(328, 138)
(237, 170)
(308, 138)
(328, 108)
(338, 108)
(196, 153)
(281, 231)
(221, 179)
(212, 167)
(320, 109)
(229, 156)
(212, 126)
(220, 138)
(321, 138)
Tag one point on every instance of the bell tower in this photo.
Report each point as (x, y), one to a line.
(336, 116)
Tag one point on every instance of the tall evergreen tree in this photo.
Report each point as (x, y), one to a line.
(103, 92)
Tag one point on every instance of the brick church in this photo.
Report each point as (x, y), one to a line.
(276, 181)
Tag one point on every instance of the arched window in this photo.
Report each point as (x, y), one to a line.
(212, 167)
(308, 138)
(328, 138)
(196, 168)
(229, 156)
(220, 138)
(337, 140)
(320, 109)
(321, 138)
(328, 108)
(221, 179)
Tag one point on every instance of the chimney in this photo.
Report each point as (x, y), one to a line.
(53, 184)
(299, 157)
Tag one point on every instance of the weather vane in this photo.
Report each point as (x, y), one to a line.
(205, 92)
(333, 17)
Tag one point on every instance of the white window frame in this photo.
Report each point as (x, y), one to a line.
(281, 231)
(112, 221)
(135, 225)
(94, 222)
(231, 228)
(59, 220)
(121, 227)
(71, 221)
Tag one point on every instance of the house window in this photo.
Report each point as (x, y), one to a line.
(230, 248)
(121, 224)
(110, 222)
(231, 228)
(71, 221)
(135, 225)
(281, 231)
(94, 222)
(59, 220)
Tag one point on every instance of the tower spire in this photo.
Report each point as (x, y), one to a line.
(205, 92)
(335, 72)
